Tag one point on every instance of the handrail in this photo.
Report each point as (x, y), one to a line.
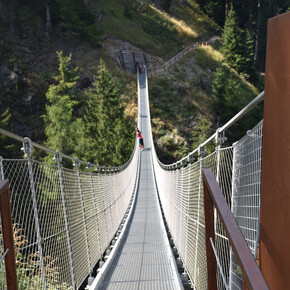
(41, 147)
(214, 197)
(7, 234)
(74, 159)
(220, 130)
(155, 70)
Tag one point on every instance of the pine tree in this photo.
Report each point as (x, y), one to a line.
(218, 88)
(232, 45)
(249, 51)
(231, 98)
(61, 126)
(225, 93)
(109, 135)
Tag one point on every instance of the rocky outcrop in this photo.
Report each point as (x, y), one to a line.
(8, 77)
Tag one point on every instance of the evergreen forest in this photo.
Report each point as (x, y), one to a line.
(61, 84)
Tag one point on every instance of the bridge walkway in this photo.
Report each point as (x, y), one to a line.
(144, 259)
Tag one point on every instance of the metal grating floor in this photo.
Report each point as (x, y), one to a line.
(144, 259)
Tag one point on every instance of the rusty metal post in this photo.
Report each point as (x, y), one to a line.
(7, 230)
(251, 272)
(275, 186)
(209, 233)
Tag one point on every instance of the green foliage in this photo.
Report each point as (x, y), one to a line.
(215, 9)
(202, 130)
(238, 47)
(60, 121)
(92, 125)
(74, 19)
(109, 134)
(28, 266)
(249, 51)
(232, 46)
(225, 93)
(219, 83)
(156, 26)
(128, 12)
(229, 96)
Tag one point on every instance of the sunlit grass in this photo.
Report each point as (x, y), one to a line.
(179, 25)
(209, 51)
(216, 55)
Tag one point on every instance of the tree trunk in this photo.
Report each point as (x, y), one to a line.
(251, 18)
(86, 3)
(257, 32)
(48, 19)
(226, 9)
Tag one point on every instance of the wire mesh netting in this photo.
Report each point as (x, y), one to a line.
(182, 201)
(246, 194)
(64, 219)
(181, 195)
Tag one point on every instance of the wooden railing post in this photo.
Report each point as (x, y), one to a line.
(209, 233)
(7, 233)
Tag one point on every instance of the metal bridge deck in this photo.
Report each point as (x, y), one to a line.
(144, 259)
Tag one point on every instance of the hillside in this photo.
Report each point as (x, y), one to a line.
(28, 50)
(182, 108)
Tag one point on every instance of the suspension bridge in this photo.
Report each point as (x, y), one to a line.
(146, 225)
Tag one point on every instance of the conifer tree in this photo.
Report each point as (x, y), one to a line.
(61, 125)
(109, 135)
(218, 88)
(232, 45)
(201, 131)
(225, 93)
(249, 52)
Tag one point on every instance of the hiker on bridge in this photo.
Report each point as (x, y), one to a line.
(139, 67)
(139, 136)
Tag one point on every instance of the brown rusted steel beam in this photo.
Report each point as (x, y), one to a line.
(209, 233)
(7, 233)
(253, 276)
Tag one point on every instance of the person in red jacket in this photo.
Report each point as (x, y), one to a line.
(139, 136)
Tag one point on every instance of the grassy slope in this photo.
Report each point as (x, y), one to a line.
(155, 31)
(181, 109)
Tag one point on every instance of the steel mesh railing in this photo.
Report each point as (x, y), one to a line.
(181, 194)
(246, 194)
(64, 219)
